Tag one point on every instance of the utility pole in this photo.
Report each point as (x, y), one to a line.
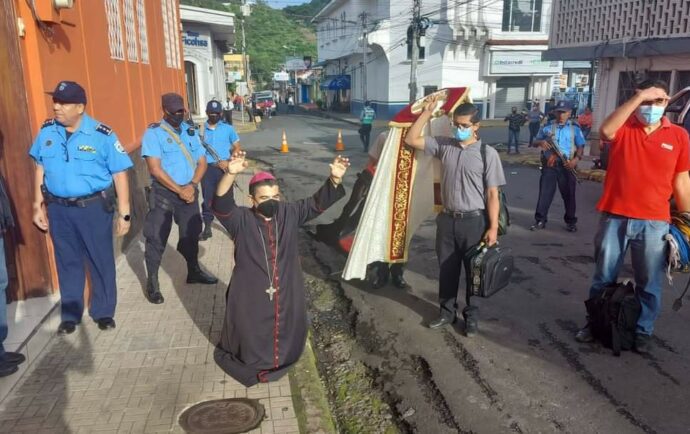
(416, 19)
(365, 48)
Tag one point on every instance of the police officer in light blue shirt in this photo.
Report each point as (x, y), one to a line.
(567, 135)
(175, 158)
(221, 141)
(80, 165)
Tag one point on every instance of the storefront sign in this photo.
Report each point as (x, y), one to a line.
(294, 64)
(281, 76)
(522, 62)
(194, 39)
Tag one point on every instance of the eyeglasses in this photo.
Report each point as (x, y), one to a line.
(459, 125)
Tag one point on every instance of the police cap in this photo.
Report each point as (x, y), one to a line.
(172, 102)
(563, 106)
(214, 106)
(69, 92)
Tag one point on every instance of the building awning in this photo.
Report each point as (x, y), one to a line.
(645, 48)
(337, 82)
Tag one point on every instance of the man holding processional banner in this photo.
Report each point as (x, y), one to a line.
(404, 193)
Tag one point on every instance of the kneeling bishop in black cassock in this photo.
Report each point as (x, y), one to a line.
(265, 326)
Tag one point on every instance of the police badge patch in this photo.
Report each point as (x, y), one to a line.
(120, 148)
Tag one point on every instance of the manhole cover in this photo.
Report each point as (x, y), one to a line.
(222, 416)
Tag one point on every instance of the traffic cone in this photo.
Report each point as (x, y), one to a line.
(339, 145)
(284, 146)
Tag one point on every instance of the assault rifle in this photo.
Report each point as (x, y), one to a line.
(548, 138)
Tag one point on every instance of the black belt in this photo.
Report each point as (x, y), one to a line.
(73, 201)
(464, 214)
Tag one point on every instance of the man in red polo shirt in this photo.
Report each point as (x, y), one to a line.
(648, 163)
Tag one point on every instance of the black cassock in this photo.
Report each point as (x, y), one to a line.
(264, 334)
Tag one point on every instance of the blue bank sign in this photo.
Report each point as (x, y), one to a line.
(194, 39)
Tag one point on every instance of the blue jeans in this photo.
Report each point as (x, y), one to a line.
(648, 250)
(3, 300)
(513, 137)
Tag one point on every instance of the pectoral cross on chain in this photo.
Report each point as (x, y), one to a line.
(270, 291)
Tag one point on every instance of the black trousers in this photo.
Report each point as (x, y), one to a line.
(454, 237)
(164, 207)
(567, 184)
(209, 183)
(533, 131)
(365, 135)
(227, 115)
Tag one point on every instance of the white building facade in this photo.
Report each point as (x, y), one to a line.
(206, 36)
(492, 46)
(631, 39)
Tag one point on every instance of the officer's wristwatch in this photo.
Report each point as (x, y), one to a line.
(126, 217)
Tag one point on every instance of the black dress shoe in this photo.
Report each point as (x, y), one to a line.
(67, 327)
(199, 276)
(643, 343)
(571, 228)
(13, 358)
(537, 226)
(7, 368)
(106, 323)
(206, 234)
(400, 282)
(441, 321)
(471, 327)
(379, 281)
(153, 292)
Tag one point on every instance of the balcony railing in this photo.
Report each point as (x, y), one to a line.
(590, 22)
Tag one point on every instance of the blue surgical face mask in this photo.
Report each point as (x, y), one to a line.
(463, 134)
(649, 114)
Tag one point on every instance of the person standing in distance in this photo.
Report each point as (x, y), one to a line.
(78, 163)
(366, 118)
(177, 163)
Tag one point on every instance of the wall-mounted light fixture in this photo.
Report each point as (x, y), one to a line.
(63, 4)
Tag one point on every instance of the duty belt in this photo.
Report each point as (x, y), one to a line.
(80, 201)
(464, 214)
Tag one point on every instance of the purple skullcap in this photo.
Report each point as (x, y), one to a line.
(261, 176)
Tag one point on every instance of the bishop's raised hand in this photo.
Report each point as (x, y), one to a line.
(238, 163)
(339, 167)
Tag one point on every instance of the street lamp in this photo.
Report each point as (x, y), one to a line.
(290, 48)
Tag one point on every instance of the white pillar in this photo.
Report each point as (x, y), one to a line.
(485, 106)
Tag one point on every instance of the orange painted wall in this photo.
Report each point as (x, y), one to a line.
(125, 95)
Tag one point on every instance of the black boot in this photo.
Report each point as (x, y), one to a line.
(206, 234)
(153, 292)
(379, 275)
(397, 276)
(196, 275)
(470, 313)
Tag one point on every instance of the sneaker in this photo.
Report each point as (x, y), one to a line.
(571, 228)
(643, 343)
(584, 335)
(537, 226)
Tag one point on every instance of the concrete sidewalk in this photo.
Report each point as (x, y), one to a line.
(139, 377)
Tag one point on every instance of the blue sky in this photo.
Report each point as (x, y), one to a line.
(279, 4)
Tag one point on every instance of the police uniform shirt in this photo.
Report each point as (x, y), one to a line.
(82, 164)
(222, 139)
(158, 143)
(562, 137)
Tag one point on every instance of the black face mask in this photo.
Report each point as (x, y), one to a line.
(268, 208)
(174, 119)
(213, 119)
(514, 111)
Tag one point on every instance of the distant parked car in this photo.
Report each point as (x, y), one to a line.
(264, 105)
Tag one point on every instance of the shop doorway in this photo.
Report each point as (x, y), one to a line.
(191, 80)
(510, 92)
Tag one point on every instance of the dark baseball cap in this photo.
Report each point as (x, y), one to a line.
(69, 92)
(172, 102)
(214, 106)
(563, 106)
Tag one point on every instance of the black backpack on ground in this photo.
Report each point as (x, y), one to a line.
(613, 316)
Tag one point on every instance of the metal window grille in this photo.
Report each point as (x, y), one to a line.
(618, 20)
(130, 29)
(143, 32)
(112, 10)
(166, 33)
(175, 31)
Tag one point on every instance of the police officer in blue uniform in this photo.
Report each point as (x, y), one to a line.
(175, 158)
(220, 141)
(80, 166)
(567, 135)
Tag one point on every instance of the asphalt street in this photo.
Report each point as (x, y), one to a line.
(524, 372)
